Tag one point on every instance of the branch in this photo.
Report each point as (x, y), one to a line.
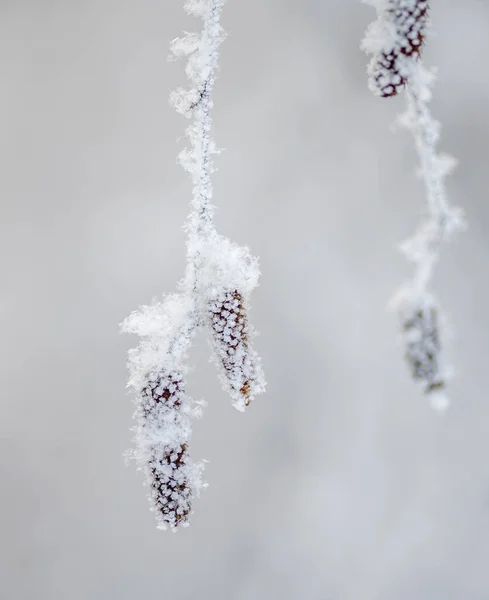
(395, 41)
(214, 294)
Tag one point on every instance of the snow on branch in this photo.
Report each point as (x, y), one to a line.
(395, 41)
(214, 294)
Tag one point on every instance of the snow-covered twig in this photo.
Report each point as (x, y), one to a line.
(423, 247)
(395, 42)
(214, 294)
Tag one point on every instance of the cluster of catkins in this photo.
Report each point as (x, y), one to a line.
(214, 295)
(158, 366)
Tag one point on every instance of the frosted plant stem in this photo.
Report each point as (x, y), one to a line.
(196, 104)
(443, 219)
(200, 224)
(424, 247)
(219, 275)
(214, 294)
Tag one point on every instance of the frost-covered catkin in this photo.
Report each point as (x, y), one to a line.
(395, 41)
(167, 466)
(419, 314)
(238, 363)
(422, 340)
(215, 270)
(233, 274)
(163, 408)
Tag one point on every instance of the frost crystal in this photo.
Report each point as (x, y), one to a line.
(215, 291)
(395, 42)
(165, 461)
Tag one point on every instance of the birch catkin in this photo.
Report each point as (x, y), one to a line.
(404, 23)
(230, 336)
(423, 348)
(214, 267)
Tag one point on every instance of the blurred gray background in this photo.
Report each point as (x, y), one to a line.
(340, 483)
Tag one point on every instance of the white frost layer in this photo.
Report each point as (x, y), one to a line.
(215, 268)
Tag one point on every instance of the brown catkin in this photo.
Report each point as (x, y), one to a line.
(167, 468)
(231, 340)
(409, 18)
